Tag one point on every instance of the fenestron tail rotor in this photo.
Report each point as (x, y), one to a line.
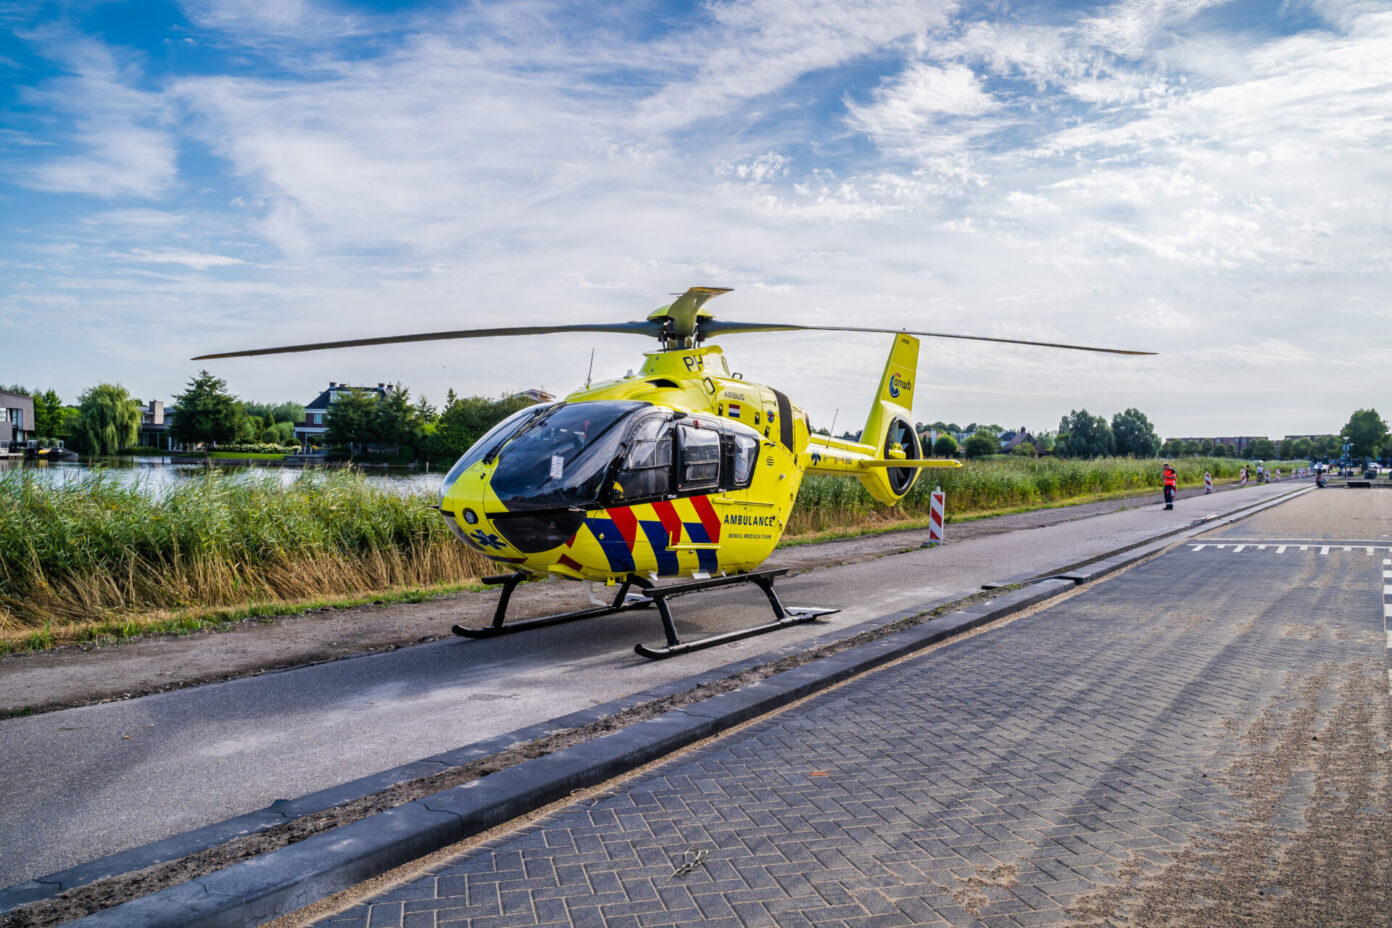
(683, 323)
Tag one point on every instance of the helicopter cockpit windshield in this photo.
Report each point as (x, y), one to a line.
(560, 459)
(491, 442)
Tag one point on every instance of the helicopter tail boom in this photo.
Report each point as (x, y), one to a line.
(888, 457)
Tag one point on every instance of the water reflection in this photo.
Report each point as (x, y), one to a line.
(154, 474)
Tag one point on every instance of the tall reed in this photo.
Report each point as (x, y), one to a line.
(834, 503)
(97, 548)
(93, 547)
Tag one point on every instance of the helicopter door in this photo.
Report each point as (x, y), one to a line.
(700, 459)
(647, 467)
(741, 453)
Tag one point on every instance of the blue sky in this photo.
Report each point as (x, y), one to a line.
(1208, 180)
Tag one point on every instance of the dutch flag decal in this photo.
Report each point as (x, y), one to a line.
(734, 411)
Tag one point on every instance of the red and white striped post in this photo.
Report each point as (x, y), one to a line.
(1244, 477)
(1207, 482)
(937, 504)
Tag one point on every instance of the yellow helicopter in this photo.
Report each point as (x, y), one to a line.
(681, 472)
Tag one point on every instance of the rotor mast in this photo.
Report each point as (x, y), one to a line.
(681, 318)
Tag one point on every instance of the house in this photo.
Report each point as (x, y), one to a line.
(1011, 440)
(311, 431)
(155, 420)
(16, 419)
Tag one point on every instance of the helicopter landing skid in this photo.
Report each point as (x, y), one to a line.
(763, 579)
(623, 600)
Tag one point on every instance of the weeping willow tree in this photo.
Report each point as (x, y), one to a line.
(107, 419)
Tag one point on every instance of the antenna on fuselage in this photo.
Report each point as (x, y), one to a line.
(589, 372)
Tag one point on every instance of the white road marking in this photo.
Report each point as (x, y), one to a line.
(1238, 549)
(1281, 550)
(1198, 547)
(1304, 547)
(1324, 550)
(1387, 610)
(1261, 547)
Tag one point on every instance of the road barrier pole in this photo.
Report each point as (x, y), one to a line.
(1207, 482)
(937, 505)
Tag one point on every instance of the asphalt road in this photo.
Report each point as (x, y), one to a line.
(86, 782)
(1200, 740)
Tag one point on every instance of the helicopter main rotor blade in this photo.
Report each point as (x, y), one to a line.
(653, 329)
(713, 327)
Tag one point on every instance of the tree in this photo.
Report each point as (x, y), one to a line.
(352, 419)
(1172, 448)
(464, 420)
(1191, 447)
(1134, 435)
(1326, 446)
(1221, 450)
(206, 412)
(1296, 448)
(51, 416)
(274, 412)
(396, 421)
(107, 420)
(1206, 447)
(1089, 436)
(426, 412)
(1261, 449)
(1367, 432)
(1023, 450)
(945, 446)
(981, 443)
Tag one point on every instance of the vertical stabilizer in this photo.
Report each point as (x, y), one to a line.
(890, 430)
(895, 396)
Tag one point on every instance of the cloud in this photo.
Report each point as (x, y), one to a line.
(1136, 175)
(755, 48)
(298, 20)
(199, 262)
(121, 145)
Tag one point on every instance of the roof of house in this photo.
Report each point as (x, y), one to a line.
(323, 400)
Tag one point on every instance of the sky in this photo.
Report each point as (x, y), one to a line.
(1207, 180)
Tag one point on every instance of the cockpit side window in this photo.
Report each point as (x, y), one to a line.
(744, 454)
(647, 468)
(700, 458)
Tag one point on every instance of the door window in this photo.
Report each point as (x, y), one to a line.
(647, 468)
(746, 455)
(700, 458)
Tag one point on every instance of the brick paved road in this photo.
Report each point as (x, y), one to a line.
(1201, 740)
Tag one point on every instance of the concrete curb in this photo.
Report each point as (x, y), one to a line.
(292, 877)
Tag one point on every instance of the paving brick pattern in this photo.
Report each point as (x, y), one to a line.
(991, 783)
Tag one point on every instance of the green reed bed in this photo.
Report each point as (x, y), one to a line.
(96, 550)
(833, 504)
(97, 557)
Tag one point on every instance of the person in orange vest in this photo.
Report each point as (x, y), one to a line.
(1171, 484)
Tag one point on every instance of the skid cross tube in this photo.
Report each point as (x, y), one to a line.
(783, 615)
(510, 582)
